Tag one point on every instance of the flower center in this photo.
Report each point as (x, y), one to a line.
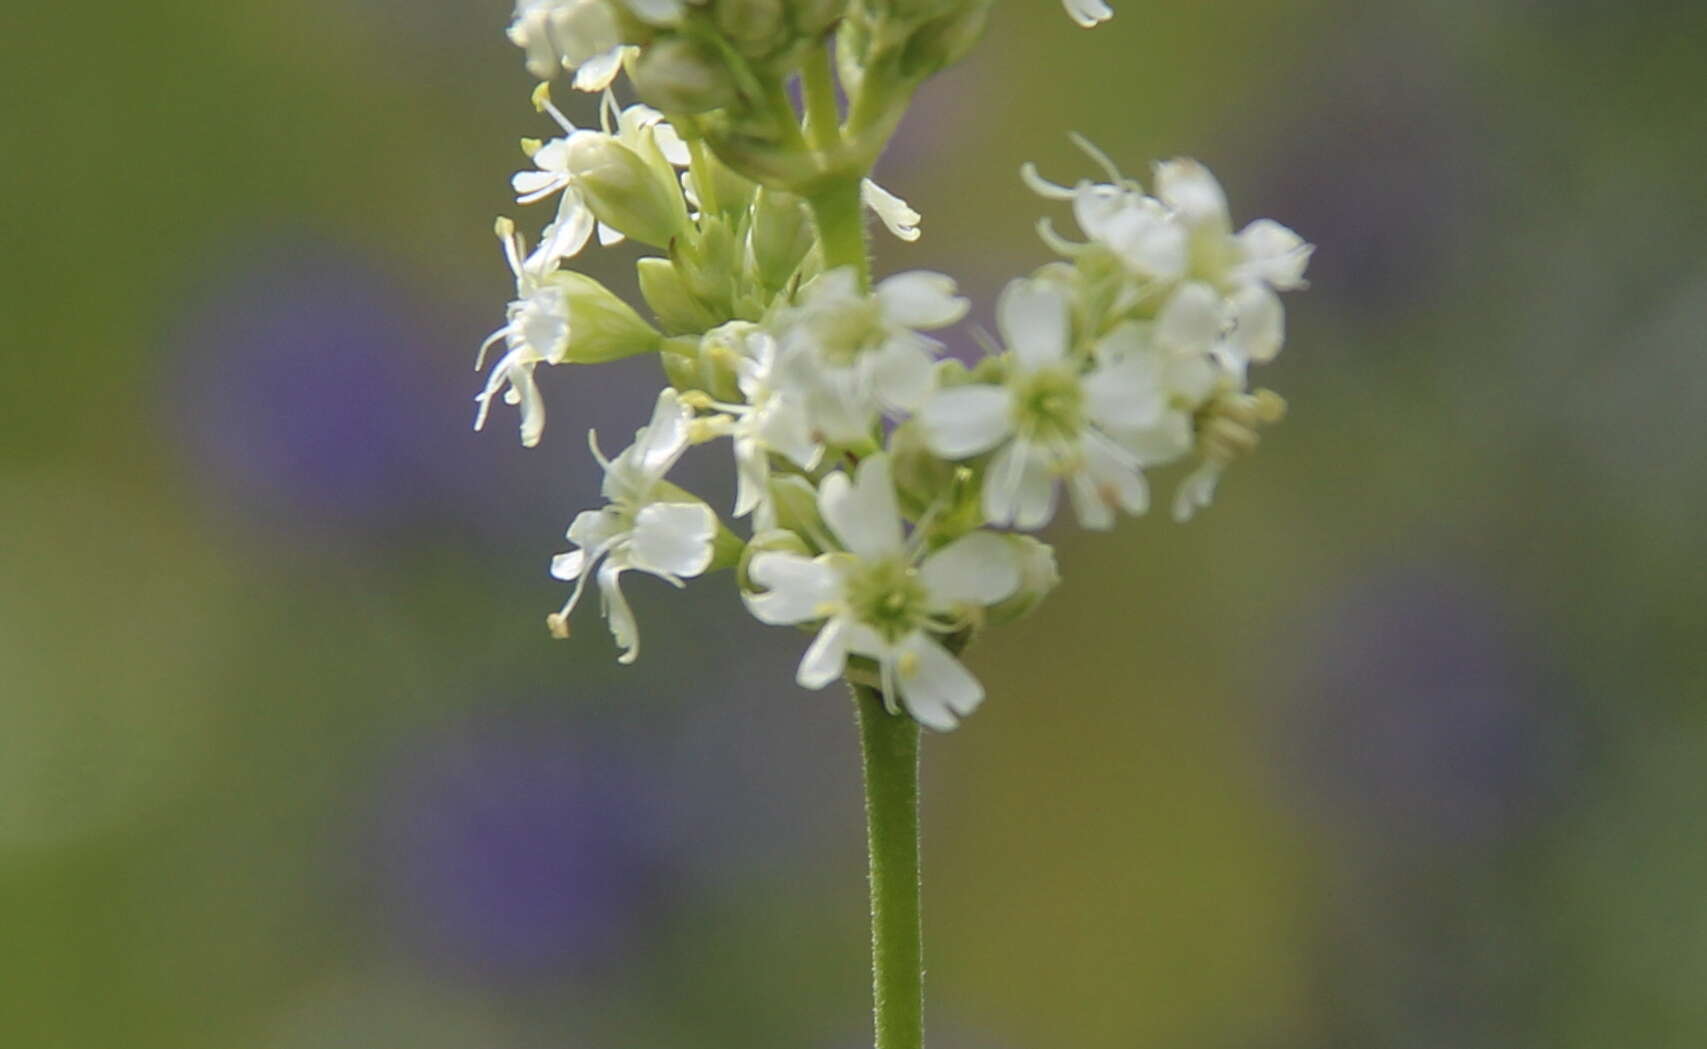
(845, 329)
(889, 597)
(1049, 404)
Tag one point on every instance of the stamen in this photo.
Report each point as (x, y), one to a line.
(1100, 158)
(1042, 186)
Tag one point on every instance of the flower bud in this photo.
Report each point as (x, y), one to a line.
(780, 236)
(601, 326)
(944, 41)
(756, 28)
(623, 191)
(674, 305)
(681, 76)
(775, 540)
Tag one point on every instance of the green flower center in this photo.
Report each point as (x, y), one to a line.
(889, 597)
(1049, 404)
(847, 329)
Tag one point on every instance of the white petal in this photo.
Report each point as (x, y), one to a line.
(609, 235)
(1032, 316)
(825, 660)
(1189, 188)
(1259, 323)
(1089, 506)
(936, 690)
(1158, 445)
(566, 236)
(1274, 255)
(592, 529)
(864, 514)
(902, 372)
(673, 539)
(1096, 205)
(618, 615)
(1124, 396)
(1149, 239)
(1196, 492)
(1088, 13)
(568, 566)
(666, 436)
(921, 299)
(656, 12)
(892, 211)
(963, 421)
(598, 72)
(978, 568)
(1190, 321)
(1119, 481)
(532, 185)
(1019, 488)
(670, 144)
(797, 589)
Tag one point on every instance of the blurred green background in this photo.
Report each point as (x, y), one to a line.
(1401, 745)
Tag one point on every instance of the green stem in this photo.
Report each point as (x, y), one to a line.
(890, 745)
(819, 91)
(840, 215)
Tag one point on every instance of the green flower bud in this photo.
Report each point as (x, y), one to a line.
(777, 540)
(675, 306)
(943, 41)
(780, 236)
(757, 28)
(623, 191)
(678, 75)
(601, 326)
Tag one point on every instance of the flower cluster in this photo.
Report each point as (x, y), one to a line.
(885, 491)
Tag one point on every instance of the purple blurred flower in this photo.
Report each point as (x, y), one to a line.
(1420, 712)
(512, 849)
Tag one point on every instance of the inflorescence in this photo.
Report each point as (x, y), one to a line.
(887, 490)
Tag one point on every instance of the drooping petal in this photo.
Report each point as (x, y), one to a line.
(1032, 317)
(935, 688)
(618, 614)
(568, 567)
(978, 568)
(673, 539)
(892, 211)
(864, 514)
(963, 421)
(921, 299)
(797, 589)
(827, 657)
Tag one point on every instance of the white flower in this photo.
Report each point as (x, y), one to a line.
(639, 127)
(895, 214)
(854, 354)
(880, 599)
(647, 526)
(536, 331)
(772, 421)
(1088, 13)
(1052, 420)
(583, 35)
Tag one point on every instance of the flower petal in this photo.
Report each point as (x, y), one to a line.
(673, 539)
(618, 615)
(1274, 255)
(978, 568)
(1032, 316)
(1259, 324)
(1124, 396)
(1019, 489)
(921, 299)
(892, 211)
(1187, 186)
(902, 372)
(1190, 321)
(936, 690)
(797, 589)
(864, 513)
(568, 566)
(827, 657)
(963, 421)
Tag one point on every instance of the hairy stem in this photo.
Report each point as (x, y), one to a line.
(890, 745)
(840, 216)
